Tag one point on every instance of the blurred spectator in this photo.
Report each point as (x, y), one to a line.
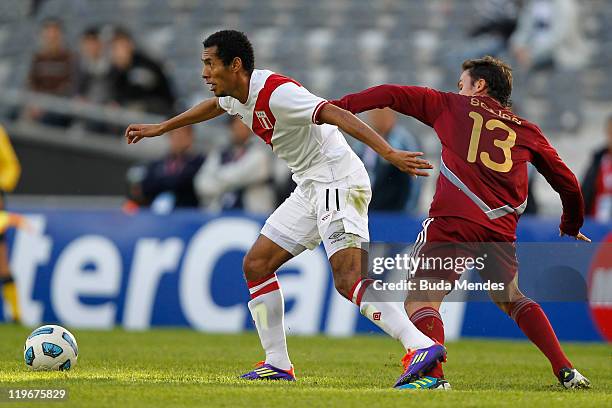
(93, 69)
(93, 74)
(168, 183)
(392, 190)
(239, 176)
(495, 22)
(597, 183)
(138, 82)
(549, 37)
(51, 72)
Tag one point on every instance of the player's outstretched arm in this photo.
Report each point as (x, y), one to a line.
(203, 111)
(408, 162)
(424, 104)
(563, 181)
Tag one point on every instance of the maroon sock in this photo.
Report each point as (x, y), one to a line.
(429, 321)
(532, 320)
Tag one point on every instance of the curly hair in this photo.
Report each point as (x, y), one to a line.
(496, 73)
(232, 44)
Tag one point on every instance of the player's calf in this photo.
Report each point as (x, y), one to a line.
(346, 269)
(387, 314)
(427, 319)
(532, 320)
(267, 306)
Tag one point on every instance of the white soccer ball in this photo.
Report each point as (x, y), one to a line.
(50, 347)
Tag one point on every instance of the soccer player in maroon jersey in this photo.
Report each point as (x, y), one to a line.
(482, 191)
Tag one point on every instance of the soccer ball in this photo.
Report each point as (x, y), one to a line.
(50, 348)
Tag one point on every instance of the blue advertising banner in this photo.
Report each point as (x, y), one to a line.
(86, 268)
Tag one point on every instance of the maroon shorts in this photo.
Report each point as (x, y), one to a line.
(449, 246)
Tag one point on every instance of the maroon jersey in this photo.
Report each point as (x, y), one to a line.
(485, 150)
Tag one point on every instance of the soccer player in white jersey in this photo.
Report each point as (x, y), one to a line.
(329, 203)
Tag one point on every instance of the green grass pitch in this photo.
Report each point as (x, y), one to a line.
(176, 367)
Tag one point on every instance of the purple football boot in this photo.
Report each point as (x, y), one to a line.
(418, 362)
(265, 371)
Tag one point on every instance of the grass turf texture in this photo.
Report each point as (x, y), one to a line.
(165, 368)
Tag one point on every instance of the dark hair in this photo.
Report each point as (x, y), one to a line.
(496, 73)
(91, 32)
(232, 44)
(120, 33)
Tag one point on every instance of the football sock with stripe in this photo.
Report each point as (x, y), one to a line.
(429, 321)
(532, 320)
(9, 293)
(389, 316)
(267, 308)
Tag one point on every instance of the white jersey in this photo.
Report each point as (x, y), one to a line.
(283, 113)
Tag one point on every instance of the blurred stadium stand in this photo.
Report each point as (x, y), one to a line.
(332, 47)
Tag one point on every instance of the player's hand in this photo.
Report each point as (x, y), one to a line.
(409, 162)
(579, 237)
(134, 133)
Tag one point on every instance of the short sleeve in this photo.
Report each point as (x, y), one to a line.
(227, 103)
(294, 105)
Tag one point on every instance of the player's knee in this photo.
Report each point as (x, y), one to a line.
(506, 298)
(255, 268)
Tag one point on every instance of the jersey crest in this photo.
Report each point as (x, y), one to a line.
(263, 119)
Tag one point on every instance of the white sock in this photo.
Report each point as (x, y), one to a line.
(267, 308)
(389, 316)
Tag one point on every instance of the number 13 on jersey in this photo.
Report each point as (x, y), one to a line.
(504, 144)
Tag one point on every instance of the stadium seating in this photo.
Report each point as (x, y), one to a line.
(332, 47)
(396, 24)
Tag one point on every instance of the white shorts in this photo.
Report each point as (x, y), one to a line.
(335, 213)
